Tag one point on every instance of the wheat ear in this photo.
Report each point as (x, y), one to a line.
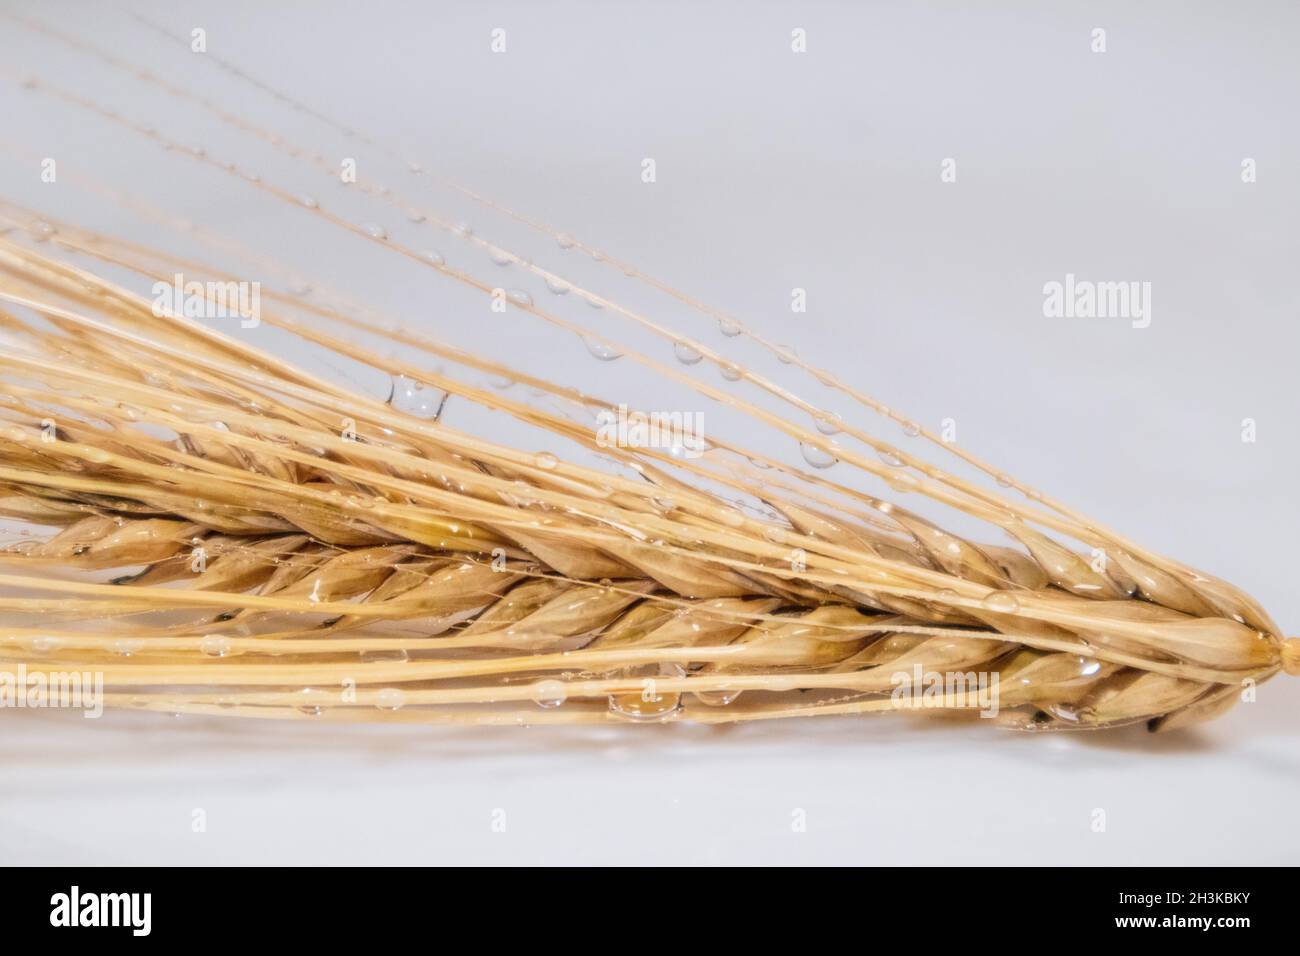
(213, 529)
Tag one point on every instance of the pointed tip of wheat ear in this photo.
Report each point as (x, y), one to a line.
(1291, 656)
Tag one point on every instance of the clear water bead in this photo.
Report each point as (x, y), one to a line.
(717, 698)
(817, 457)
(414, 397)
(649, 704)
(390, 698)
(385, 655)
(214, 645)
(828, 423)
(549, 694)
(1001, 602)
(903, 482)
(686, 354)
(602, 350)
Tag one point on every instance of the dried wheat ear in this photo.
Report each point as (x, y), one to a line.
(216, 530)
(265, 563)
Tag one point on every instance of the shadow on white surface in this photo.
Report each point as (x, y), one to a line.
(125, 790)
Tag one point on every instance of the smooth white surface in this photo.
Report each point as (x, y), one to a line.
(123, 789)
(774, 171)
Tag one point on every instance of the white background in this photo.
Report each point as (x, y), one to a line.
(775, 171)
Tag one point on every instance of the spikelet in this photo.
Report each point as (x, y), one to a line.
(215, 529)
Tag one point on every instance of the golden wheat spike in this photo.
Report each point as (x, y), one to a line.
(284, 570)
(222, 531)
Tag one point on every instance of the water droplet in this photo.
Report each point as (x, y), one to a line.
(602, 350)
(828, 423)
(1005, 481)
(375, 231)
(686, 354)
(557, 285)
(565, 241)
(545, 460)
(549, 694)
(716, 698)
(519, 296)
(311, 709)
(463, 229)
(385, 655)
(729, 328)
(415, 398)
(786, 355)
(904, 482)
(731, 371)
(415, 215)
(40, 230)
(890, 457)
(1001, 602)
(521, 495)
(500, 257)
(43, 645)
(732, 517)
(434, 257)
(390, 698)
(911, 429)
(817, 457)
(214, 645)
(649, 704)
(592, 303)
(127, 647)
